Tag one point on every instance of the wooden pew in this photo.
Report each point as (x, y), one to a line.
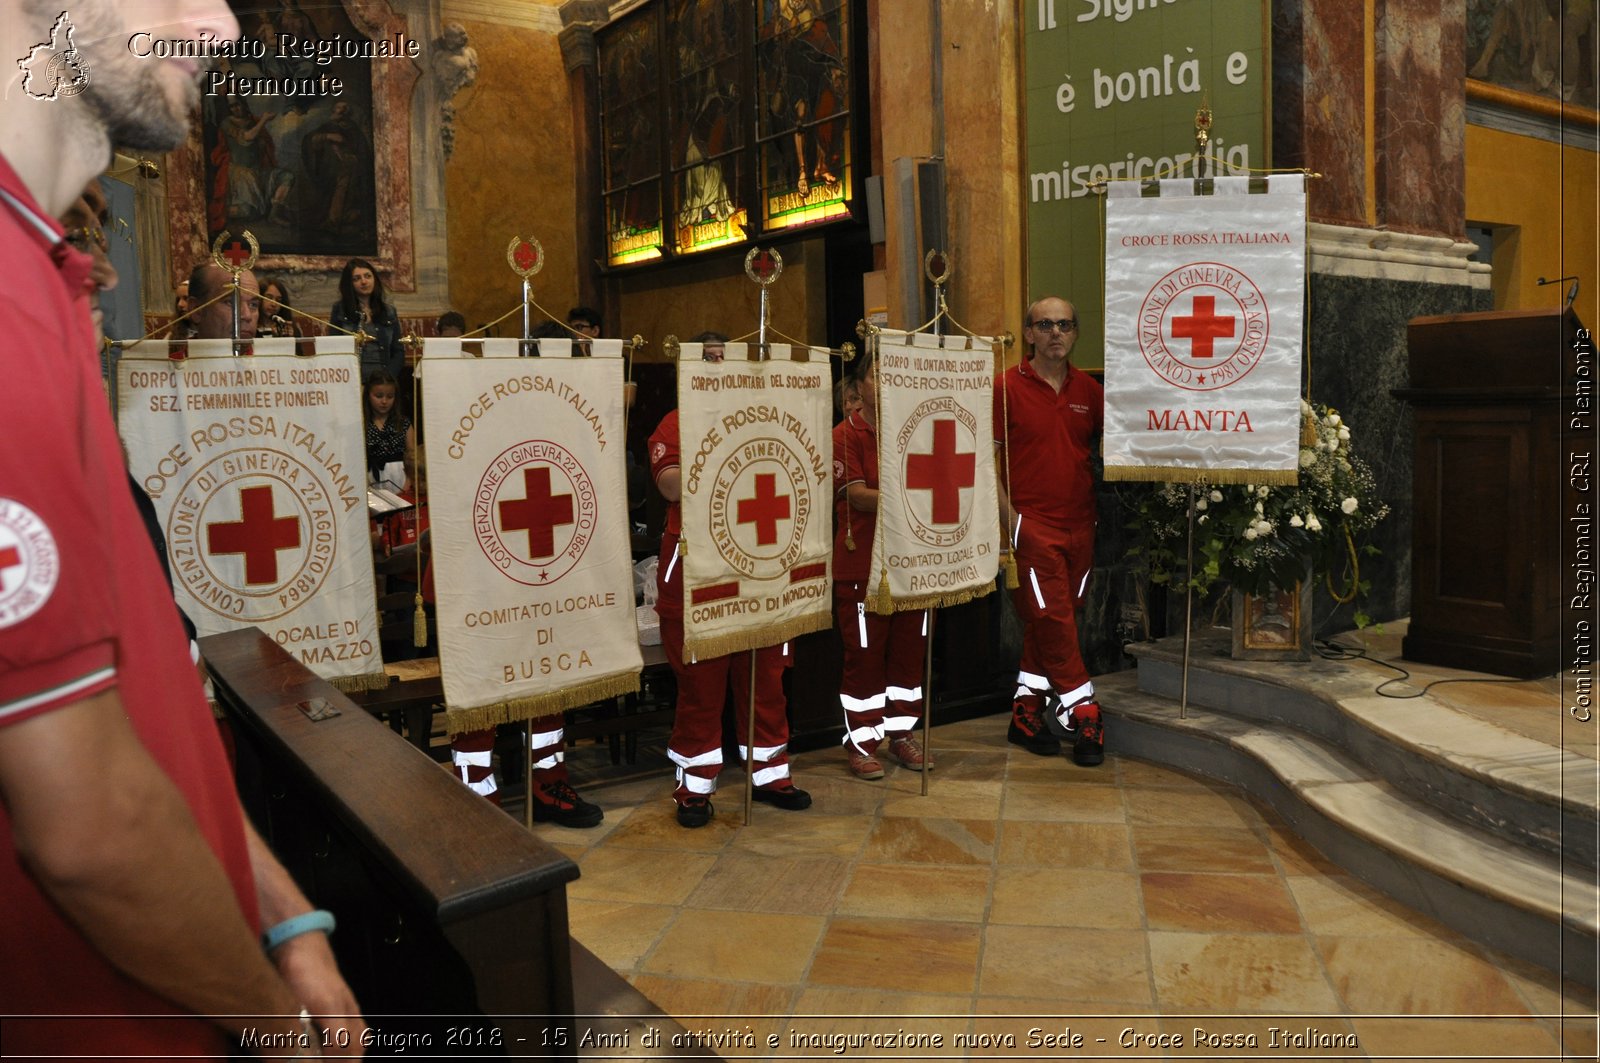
(452, 918)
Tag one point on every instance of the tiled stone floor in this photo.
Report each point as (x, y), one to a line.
(1023, 893)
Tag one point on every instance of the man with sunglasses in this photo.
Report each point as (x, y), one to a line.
(1048, 415)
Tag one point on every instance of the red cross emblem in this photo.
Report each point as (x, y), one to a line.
(944, 472)
(1203, 327)
(258, 535)
(763, 265)
(526, 256)
(237, 255)
(765, 509)
(539, 514)
(10, 558)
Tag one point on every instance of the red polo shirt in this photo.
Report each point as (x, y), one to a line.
(84, 607)
(1050, 437)
(855, 460)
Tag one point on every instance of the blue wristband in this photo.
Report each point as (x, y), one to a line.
(293, 928)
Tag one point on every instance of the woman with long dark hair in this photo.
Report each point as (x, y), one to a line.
(362, 306)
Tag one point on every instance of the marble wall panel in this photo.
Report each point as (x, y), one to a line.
(1358, 354)
(1319, 102)
(1421, 117)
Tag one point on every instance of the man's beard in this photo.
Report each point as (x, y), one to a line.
(124, 93)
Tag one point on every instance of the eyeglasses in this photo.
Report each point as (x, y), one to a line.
(1064, 324)
(85, 238)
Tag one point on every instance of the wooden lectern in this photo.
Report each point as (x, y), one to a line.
(1489, 395)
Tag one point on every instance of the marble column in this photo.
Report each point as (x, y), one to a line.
(579, 18)
(1371, 95)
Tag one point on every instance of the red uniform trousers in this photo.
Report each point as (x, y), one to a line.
(1053, 566)
(696, 743)
(884, 656)
(473, 752)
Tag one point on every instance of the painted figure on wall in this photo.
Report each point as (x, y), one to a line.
(1546, 47)
(706, 126)
(629, 72)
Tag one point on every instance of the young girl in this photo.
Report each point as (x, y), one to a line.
(391, 440)
(883, 655)
(362, 306)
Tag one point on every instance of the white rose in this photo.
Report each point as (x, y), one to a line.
(1263, 527)
(1200, 504)
(1202, 519)
(1333, 419)
(1249, 488)
(1259, 508)
(1296, 522)
(1308, 458)
(1349, 505)
(1216, 496)
(1263, 491)
(1344, 435)
(1305, 408)
(1251, 533)
(1312, 523)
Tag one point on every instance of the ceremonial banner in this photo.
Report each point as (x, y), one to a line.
(1204, 299)
(938, 532)
(532, 560)
(257, 468)
(757, 498)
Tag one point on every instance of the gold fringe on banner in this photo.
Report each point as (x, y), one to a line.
(1173, 475)
(755, 638)
(936, 601)
(460, 721)
(355, 684)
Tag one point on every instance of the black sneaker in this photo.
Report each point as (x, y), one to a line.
(791, 797)
(1028, 731)
(1089, 749)
(695, 811)
(559, 803)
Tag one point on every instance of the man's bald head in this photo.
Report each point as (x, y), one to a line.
(215, 322)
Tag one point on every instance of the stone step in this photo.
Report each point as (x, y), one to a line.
(1518, 788)
(1508, 896)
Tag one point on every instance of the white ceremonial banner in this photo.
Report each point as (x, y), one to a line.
(938, 532)
(533, 565)
(756, 440)
(1204, 297)
(257, 468)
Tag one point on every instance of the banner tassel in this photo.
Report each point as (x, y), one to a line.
(419, 624)
(1008, 561)
(885, 596)
(1308, 432)
(849, 539)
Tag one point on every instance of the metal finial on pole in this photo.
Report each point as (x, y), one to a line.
(525, 257)
(236, 259)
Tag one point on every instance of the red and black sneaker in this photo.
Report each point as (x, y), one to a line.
(558, 803)
(1028, 729)
(1089, 748)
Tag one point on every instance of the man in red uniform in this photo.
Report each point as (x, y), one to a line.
(696, 742)
(881, 689)
(1047, 416)
(132, 886)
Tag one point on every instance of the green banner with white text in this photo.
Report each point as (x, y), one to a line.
(1112, 87)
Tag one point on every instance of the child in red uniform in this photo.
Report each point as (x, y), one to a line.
(881, 691)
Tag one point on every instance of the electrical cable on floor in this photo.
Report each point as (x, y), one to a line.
(1329, 650)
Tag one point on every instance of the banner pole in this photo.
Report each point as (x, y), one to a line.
(527, 770)
(1188, 610)
(936, 266)
(762, 267)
